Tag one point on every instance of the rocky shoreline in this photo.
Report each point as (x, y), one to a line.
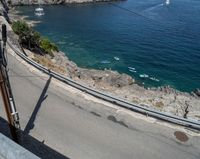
(54, 2)
(124, 86)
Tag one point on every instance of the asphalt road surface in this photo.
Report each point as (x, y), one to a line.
(57, 123)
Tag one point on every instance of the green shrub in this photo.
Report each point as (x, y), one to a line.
(32, 39)
(20, 27)
(25, 33)
(48, 46)
(36, 38)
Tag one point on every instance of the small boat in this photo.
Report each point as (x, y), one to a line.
(154, 79)
(116, 58)
(39, 11)
(134, 71)
(167, 2)
(131, 68)
(144, 76)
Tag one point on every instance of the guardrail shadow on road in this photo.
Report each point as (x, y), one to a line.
(43, 96)
(32, 144)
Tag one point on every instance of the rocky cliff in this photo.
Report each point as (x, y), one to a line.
(31, 2)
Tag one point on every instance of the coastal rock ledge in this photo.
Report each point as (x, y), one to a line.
(46, 2)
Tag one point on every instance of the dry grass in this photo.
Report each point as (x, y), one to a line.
(159, 104)
(135, 100)
(198, 116)
(49, 64)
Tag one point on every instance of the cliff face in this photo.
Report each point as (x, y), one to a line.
(31, 2)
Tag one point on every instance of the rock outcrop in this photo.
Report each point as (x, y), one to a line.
(196, 92)
(108, 77)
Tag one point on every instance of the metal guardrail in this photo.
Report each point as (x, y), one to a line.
(120, 102)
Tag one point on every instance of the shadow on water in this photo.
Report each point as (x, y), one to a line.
(43, 96)
(32, 144)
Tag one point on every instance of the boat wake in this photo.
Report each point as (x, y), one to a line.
(132, 69)
(105, 62)
(154, 79)
(154, 7)
(149, 77)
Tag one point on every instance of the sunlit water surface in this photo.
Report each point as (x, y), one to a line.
(161, 50)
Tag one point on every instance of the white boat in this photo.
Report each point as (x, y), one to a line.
(39, 11)
(116, 58)
(134, 71)
(131, 68)
(154, 79)
(167, 2)
(144, 76)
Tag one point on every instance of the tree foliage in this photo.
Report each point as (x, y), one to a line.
(24, 31)
(32, 39)
(47, 46)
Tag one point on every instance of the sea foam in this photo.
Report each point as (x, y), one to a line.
(105, 62)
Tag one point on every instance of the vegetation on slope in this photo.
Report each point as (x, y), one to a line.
(32, 40)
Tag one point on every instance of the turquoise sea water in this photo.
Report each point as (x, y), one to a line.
(164, 50)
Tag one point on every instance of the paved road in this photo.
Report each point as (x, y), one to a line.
(63, 124)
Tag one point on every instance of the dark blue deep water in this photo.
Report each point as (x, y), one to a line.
(165, 46)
